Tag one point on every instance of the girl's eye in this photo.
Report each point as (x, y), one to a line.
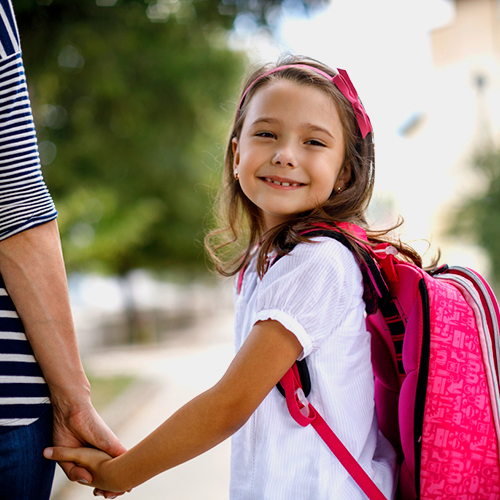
(313, 142)
(265, 134)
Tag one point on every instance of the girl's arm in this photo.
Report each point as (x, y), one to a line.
(207, 420)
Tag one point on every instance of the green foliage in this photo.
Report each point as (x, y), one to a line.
(130, 107)
(96, 230)
(132, 100)
(479, 217)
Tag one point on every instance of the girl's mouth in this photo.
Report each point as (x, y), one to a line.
(283, 183)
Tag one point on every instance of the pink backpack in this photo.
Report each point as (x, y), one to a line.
(435, 351)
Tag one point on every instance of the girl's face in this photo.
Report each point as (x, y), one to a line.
(290, 153)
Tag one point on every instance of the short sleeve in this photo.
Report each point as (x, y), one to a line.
(25, 201)
(310, 290)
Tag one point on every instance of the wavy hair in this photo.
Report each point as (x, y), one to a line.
(241, 230)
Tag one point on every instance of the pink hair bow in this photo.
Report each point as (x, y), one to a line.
(344, 84)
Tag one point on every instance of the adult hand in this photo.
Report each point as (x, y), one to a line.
(80, 425)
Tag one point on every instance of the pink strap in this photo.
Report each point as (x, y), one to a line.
(348, 227)
(240, 280)
(304, 414)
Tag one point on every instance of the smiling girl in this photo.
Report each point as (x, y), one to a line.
(290, 152)
(300, 155)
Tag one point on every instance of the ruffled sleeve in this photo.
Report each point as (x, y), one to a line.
(310, 290)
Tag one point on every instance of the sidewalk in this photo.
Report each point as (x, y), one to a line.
(170, 374)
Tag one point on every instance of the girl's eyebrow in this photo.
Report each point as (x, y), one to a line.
(265, 119)
(317, 128)
(307, 126)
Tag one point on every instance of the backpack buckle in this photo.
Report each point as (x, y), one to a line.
(385, 254)
(301, 398)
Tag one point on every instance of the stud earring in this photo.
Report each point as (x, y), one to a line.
(339, 190)
(236, 175)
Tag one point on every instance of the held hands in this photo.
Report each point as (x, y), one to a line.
(78, 425)
(97, 462)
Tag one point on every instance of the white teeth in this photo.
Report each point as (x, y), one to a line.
(285, 184)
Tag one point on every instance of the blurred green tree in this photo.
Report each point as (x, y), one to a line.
(478, 218)
(132, 100)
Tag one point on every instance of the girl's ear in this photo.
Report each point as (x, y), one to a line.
(236, 153)
(344, 176)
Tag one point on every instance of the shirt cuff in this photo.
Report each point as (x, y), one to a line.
(291, 324)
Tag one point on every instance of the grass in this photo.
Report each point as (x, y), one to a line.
(105, 390)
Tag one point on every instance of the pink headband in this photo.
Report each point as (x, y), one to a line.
(341, 81)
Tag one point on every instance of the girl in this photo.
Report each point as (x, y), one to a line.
(300, 154)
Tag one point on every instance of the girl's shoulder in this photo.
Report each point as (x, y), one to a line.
(321, 257)
(323, 248)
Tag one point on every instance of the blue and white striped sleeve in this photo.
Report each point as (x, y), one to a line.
(25, 201)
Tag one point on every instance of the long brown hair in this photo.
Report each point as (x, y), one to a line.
(240, 224)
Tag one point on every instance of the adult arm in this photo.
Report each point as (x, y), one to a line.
(32, 266)
(31, 261)
(269, 351)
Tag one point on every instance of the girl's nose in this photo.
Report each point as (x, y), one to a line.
(283, 158)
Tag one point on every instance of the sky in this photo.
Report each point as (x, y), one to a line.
(383, 44)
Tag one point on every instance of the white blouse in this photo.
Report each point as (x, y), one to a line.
(316, 293)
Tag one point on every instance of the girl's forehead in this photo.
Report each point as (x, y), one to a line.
(288, 99)
(300, 91)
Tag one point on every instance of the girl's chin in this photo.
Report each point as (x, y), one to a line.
(272, 220)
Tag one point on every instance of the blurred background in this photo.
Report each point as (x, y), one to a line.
(133, 101)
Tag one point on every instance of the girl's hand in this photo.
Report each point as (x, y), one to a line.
(97, 462)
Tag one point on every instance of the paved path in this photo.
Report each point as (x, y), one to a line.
(170, 375)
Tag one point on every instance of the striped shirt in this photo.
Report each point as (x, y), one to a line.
(24, 203)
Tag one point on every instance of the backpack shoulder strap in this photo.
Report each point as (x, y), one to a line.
(304, 414)
(376, 293)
